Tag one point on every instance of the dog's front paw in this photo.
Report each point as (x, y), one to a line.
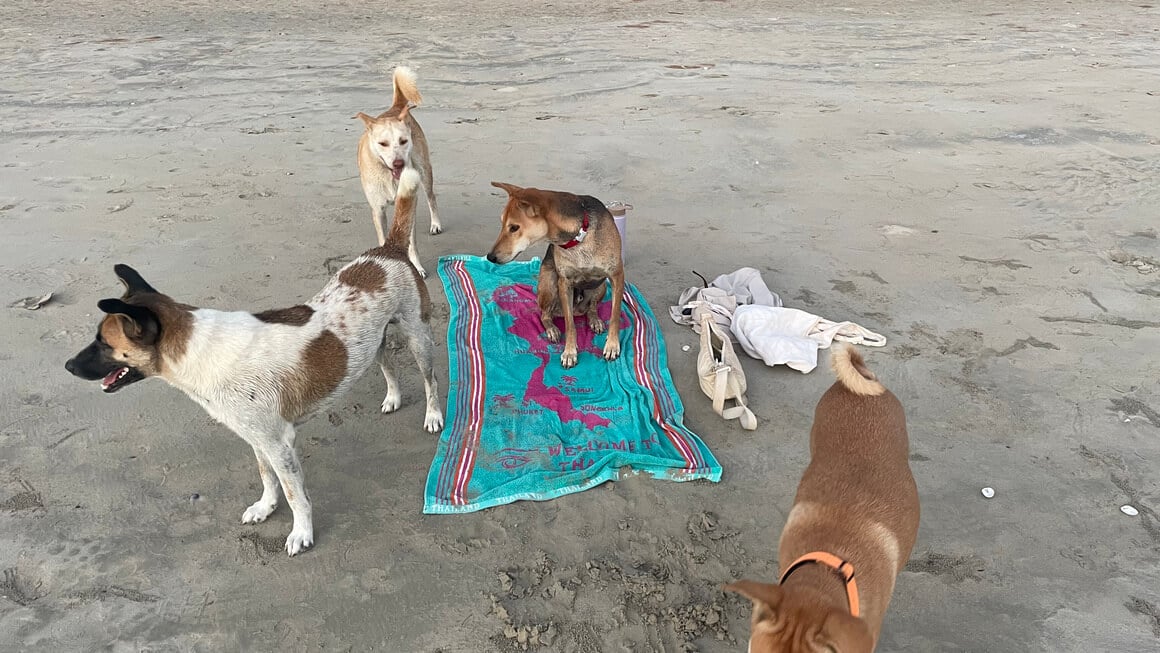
(420, 270)
(612, 349)
(258, 512)
(433, 422)
(436, 228)
(596, 325)
(568, 358)
(392, 402)
(299, 541)
(552, 334)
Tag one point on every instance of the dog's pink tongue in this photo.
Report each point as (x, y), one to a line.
(111, 377)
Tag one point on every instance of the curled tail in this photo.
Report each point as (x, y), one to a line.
(853, 373)
(404, 221)
(406, 91)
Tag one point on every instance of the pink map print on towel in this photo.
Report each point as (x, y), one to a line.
(519, 301)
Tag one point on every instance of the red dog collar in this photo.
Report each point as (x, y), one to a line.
(579, 236)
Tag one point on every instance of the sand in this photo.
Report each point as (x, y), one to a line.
(976, 182)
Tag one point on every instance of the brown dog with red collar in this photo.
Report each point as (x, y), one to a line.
(851, 529)
(583, 253)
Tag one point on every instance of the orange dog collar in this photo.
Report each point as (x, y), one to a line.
(844, 569)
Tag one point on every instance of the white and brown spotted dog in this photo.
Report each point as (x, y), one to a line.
(394, 142)
(261, 374)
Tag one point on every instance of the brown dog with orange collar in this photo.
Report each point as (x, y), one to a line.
(856, 512)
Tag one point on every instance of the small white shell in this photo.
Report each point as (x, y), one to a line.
(685, 348)
(1129, 510)
(988, 492)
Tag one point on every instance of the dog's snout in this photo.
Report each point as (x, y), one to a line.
(399, 163)
(70, 366)
(491, 257)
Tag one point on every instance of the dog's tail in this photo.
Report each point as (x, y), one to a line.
(406, 91)
(853, 373)
(404, 220)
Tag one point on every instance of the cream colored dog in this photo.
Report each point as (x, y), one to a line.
(394, 141)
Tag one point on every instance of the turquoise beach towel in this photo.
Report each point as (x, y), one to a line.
(520, 426)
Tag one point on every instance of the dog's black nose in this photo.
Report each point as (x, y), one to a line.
(491, 257)
(68, 365)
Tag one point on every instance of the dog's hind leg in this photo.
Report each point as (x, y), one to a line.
(279, 451)
(379, 199)
(546, 298)
(594, 297)
(413, 253)
(377, 214)
(262, 508)
(548, 321)
(429, 186)
(380, 208)
(394, 398)
(420, 341)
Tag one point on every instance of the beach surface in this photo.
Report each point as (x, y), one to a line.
(976, 182)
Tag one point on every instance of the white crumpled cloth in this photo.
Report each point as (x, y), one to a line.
(722, 297)
(792, 337)
(743, 304)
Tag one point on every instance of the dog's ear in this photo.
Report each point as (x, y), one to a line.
(846, 634)
(762, 594)
(766, 597)
(511, 189)
(405, 110)
(367, 120)
(530, 208)
(139, 323)
(767, 614)
(132, 280)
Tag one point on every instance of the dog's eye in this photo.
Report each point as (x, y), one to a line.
(402, 141)
(514, 228)
(385, 143)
